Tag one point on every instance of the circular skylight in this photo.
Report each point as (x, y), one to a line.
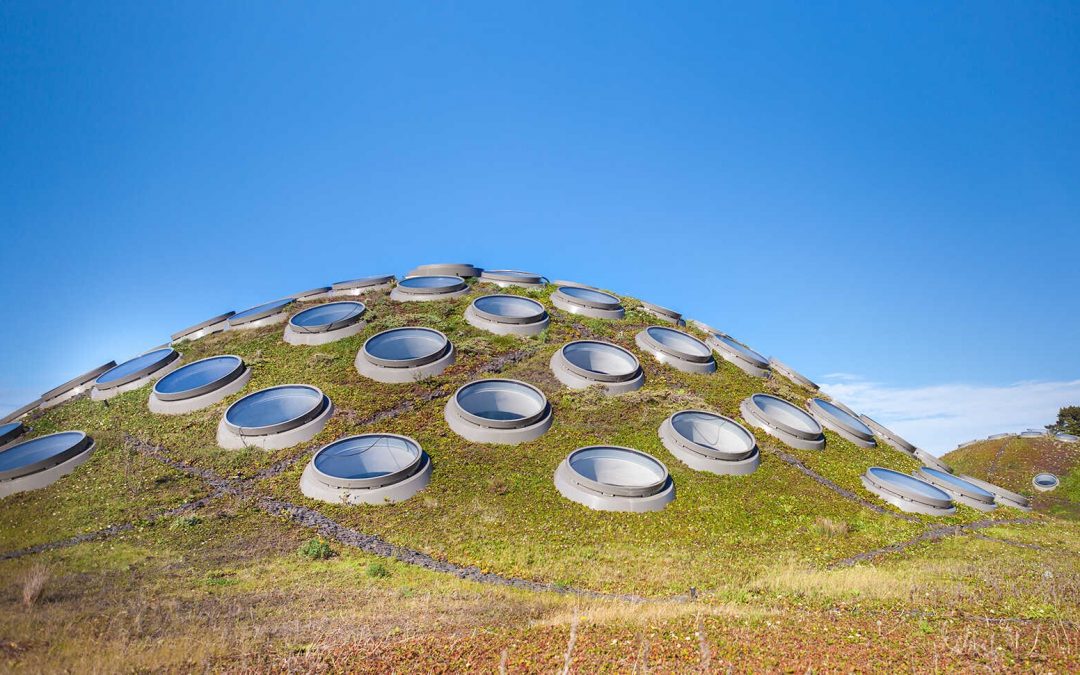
(368, 460)
(618, 471)
(403, 355)
(275, 410)
(612, 478)
(463, 270)
(888, 435)
(311, 294)
(513, 278)
(792, 374)
(198, 378)
(590, 298)
(507, 315)
(362, 282)
(842, 422)
(712, 435)
(263, 311)
(38, 454)
(783, 420)
(677, 349)
(661, 312)
(437, 284)
(740, 355)
(584, 363)
(1001, 495)
(11, 431)
(500, 404)
(587, 302)
(437, 287)
(214, 324)
(329, 317)
(74, 386)
(498, 411)
(20, 411)
(1068, 438)
(961, 490)
(136, 368)
(600, 361)
(907, 493)
(367, 469)
(405, 347)
(1044, 482)
(509, 309)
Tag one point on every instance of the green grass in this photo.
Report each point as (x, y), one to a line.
(491, 506)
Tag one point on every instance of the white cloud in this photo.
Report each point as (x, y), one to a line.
(939, 417)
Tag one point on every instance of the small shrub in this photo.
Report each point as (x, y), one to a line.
(830, 527)
(316, 549)
(33, 583)
(377, 570)
(499, 486)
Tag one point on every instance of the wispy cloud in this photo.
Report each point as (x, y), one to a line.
(941, 416)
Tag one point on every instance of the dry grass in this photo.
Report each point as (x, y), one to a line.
(32, 583)
(830, 527)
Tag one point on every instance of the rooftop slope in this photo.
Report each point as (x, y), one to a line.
(212, 534)
(492, 507)
(1012, 462)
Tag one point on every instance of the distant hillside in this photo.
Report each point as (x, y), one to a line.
(1012, 462)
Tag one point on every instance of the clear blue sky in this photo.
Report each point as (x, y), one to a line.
(888, 190)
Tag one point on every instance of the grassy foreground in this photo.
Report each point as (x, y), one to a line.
(789, 568)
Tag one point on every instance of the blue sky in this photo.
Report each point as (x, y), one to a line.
(884, 196)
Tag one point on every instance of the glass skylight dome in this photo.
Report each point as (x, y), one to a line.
(588, 302)
(355, 287)
(584, 363)
(1045, 482)
(41, 461)
(463, 270)
(1002, 497)
(930, 460)
(612, 478)
(134, 373)
(20, 411)
(784, 421)
(676, 349)
(367, 469)
(214, 324)
(429, 288)
(74, 386)
(962, 491)
(327, 323)
(1067, 438)
(891, 437)
(843, 422)
(507, 278)
(10, 431)
(266, 314)
(275, 418)
(792, 374)
(198, 385)
(663, 313)
(312, 294)
(908, 493)
(498, 411)
(746, 359)
(709, 442)
(507, 315)
(402, 355)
